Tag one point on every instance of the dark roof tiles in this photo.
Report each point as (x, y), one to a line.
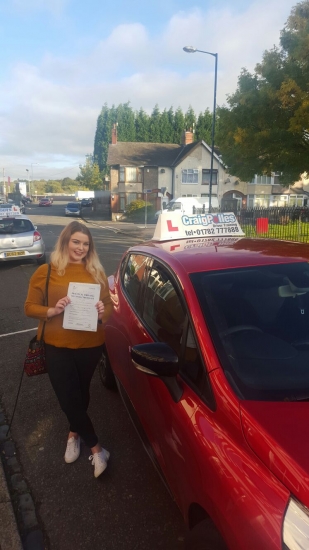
(147, 154)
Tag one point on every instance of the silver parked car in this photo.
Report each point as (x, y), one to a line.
(19, 238)
(72, 209)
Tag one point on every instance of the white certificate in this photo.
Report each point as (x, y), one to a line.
(81, 313)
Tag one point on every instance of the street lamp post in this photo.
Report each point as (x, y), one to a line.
(27, 170)
(190, 49)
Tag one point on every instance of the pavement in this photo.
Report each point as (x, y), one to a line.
(140, 231)
(17, 510)
(9, 533)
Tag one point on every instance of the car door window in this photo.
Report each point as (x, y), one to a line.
(163, 311)
(166, 317)
(191, 367)
(132, 276)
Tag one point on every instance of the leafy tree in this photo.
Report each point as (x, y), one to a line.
(68, 184)
(266, 126)
(90, 176)
(39, 186)
(53, 186)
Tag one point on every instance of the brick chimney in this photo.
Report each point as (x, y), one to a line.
(187, 137)
(114, 133)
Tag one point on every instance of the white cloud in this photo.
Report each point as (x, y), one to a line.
(48, 112)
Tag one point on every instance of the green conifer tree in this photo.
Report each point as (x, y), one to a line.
(179, 125)
(142, 122)
(155, 126)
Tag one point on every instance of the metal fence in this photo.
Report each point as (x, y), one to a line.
(290, 224)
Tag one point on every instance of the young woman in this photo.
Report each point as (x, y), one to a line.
(72, 355)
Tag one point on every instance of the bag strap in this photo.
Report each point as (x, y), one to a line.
(46, 298)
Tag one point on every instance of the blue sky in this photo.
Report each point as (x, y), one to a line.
(61, 60)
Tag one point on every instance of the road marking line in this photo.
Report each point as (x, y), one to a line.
(19, 332)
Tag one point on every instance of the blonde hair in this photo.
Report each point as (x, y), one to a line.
(60, 255)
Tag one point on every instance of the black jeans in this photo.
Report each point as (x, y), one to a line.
(70, 372)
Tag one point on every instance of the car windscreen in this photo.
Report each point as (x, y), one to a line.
(14, 226)
(72, 205)
(258, 319)
(174, 206)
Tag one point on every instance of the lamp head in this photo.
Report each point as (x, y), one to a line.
(189, 49)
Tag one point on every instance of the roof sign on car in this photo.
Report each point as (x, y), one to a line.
(9, 212)
(174, 225)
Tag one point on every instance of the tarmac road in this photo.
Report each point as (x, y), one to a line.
(128, 507)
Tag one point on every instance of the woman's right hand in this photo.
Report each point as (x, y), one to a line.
(59, 307)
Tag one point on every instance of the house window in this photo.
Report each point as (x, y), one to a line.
(296, 200)
(250, 201)
(131, 197)
(261, 201)
(133, 174)
(189, 175)
(121, 174)
(130, 174)
(122, 203)
(206, 177)
(261, 180)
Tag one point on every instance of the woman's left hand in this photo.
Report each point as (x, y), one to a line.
(100, 309)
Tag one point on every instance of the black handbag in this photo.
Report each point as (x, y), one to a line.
(35, 362)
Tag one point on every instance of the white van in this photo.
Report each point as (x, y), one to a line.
(189, 205)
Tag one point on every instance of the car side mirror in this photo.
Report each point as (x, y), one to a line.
(159, 359)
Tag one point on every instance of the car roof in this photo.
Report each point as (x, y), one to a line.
(17, 216)
(207, 254)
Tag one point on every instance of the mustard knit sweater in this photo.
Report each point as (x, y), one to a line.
(58, 288)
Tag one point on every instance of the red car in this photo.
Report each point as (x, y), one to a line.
(45, 202)
(209, 347)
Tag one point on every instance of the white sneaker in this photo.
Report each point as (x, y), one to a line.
(99, 461)
(73, 450)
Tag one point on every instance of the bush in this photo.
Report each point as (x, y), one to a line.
(135, 211)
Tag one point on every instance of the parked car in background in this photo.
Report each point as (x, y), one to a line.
(86, 202)
(79, 195)
(208, 345)
(72, 209)
(45, 202)
(19, 238)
